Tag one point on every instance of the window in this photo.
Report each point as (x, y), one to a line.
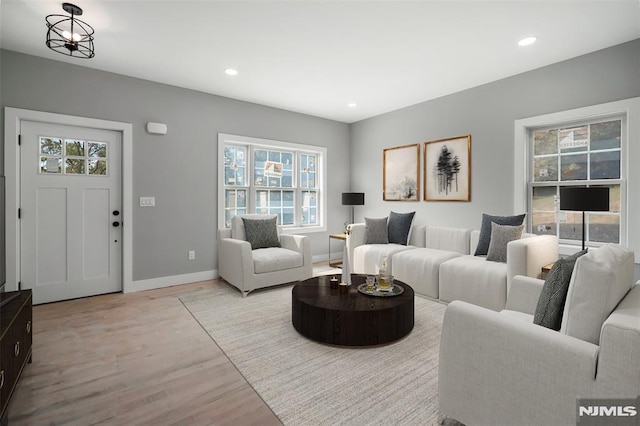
(271, 177)
(590, 146)
(576, 155)
(77, 156)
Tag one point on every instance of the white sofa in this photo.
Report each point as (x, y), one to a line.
(438, 263)
(420, 267)
(484, 283)
(367, 258)
(500, 368)
(249, 270)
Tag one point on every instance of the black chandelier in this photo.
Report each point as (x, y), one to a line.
(69, 35)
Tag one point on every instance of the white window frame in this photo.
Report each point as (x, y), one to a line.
(250, 142)
(630, 149)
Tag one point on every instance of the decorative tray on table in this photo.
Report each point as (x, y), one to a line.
(395, 290)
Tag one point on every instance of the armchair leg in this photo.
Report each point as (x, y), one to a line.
(448, 421)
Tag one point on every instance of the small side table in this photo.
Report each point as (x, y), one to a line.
(336, 263)
(545, 270)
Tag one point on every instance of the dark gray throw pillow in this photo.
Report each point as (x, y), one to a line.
(485, 229)
(399, 226)
(554, 293)
(261, 233)
(501, 235)
(375, 231)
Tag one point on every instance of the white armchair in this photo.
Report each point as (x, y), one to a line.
(248, 269)
(500, 368)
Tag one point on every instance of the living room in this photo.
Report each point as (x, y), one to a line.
(180, 169)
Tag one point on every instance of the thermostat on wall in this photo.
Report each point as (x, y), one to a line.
(157, 128)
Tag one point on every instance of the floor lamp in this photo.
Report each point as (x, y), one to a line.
(352, 199)
(593, 199)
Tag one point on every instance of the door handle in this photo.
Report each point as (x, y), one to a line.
(116, 224)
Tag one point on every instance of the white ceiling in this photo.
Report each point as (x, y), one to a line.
(315, 57)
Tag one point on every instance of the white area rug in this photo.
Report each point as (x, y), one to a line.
(307, 383)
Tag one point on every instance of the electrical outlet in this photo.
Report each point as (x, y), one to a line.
(192, 254)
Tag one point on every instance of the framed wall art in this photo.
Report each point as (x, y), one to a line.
(401, 173)
(447, 169)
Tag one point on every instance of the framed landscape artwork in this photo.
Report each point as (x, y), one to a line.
(400, 173)
(447, 169)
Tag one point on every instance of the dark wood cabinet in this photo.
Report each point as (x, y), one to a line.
(15, 342)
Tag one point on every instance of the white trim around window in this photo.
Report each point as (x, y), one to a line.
(627, 107)
(321, 167)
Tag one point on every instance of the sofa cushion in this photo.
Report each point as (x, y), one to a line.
(237, 225)
(501, 235)
(474, 280)
(446, 238)
(367, 258)
(275, 259)
(398, 227)
(420, 268)
(485, 230)
(261, 233)
(375, 231)
(554, 293)
(600, 280)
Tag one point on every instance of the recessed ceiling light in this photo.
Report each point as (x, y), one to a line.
(231, 71)
(352, 104)
(527, 41)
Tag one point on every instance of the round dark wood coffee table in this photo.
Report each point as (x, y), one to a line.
(327, 315)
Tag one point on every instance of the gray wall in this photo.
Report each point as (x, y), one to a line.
(179, 169)
(488, 113)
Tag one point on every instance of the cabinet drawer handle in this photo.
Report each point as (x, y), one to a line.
(16, 349)
(1, 379)
(28, 327)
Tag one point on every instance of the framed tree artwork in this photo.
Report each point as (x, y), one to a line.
(400, 173)
(447, 169)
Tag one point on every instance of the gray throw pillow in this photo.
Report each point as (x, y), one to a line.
(399, 226)
(485, 229)
(501, 235)
(554, 293)
(261, 233)
(375, 231)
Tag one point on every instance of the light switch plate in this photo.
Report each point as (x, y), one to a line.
(147, 201)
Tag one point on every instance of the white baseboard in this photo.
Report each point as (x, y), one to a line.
(161, 282)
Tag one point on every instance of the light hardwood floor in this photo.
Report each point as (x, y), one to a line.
(131, 359)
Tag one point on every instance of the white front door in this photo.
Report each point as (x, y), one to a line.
(70, 211)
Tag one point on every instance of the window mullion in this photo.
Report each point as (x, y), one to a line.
(251, 190)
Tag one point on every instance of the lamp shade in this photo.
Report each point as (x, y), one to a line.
(353, 198)
(593, 199)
